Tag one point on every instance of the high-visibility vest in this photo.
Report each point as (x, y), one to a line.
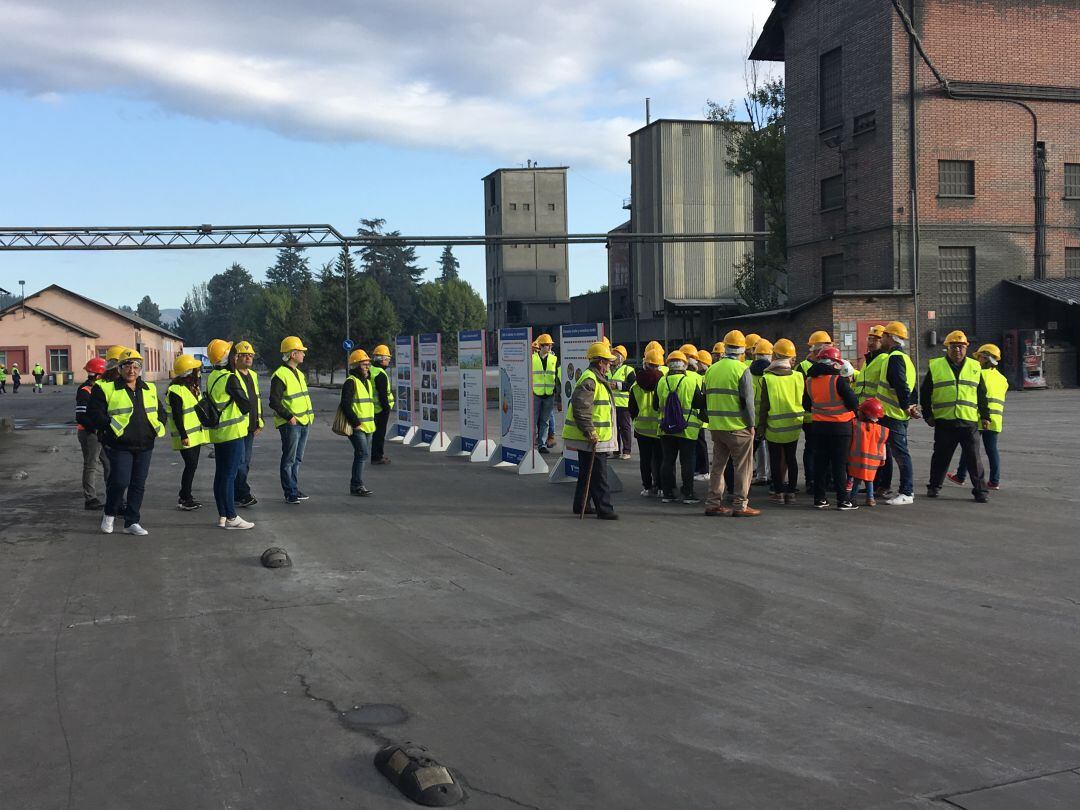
(257, 404)
(296, 398)
(997, 385)
(804, 367)
(955, 397)
(867, 452)
(622, 398)
(825, 400)
(647, 421)
(601, 415)
(196, 433)
(885, 392)
(684, 386)
(232, 424)
(38, 370)
(544, 374)
(663, 370)
(363, 403)
(375, 372)
(3, 374)
(784, 421)
(119, 406)
(722, 403)
(873, 373)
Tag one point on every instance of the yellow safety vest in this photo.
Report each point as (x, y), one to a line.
(363, 403)
(647, 421)
(722, 404)
(684, 386)
(296, 398)
(622, 398)
(257, 404)
(804, 367)
(955, 397)
(601, 416)
(784, 421)
(873, 374)
(544, 374)
(885, 392)
(997, 385)
(196, 433)
(118, 404)
(375, 372)
(232, 424)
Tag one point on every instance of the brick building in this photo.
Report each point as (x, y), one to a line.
(990, 195)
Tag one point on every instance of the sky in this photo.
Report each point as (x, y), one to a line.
(145, 112)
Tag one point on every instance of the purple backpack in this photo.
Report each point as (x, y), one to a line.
(673, 419)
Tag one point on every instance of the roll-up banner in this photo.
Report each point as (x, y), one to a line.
(405, 428)
(472, 439)
(429, 370)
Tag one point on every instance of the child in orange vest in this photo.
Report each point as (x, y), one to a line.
(867, 452)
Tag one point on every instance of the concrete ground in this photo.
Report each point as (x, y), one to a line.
(915, 657)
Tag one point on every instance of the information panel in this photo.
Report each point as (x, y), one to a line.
(472, 389)
(516, 402)
(429, 370)
(403, 386)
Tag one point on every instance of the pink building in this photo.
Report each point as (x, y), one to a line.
(62, 330)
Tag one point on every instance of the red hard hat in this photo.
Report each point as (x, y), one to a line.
(830, 353)
(95, 365)
(872, 408)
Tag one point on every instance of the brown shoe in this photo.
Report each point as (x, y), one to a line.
(777, 497)
(383, 460)
(746, 511)
(789, 497)
(717, 511)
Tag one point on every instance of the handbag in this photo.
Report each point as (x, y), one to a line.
(341, 424)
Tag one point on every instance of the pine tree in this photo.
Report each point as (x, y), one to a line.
(449, 265)
(290, 270)
(228, 296)
(149, 311)
(392, 266)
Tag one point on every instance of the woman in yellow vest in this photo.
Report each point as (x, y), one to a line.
(242, 359)
(545, 382)
(997, 386)
(227, 391)
(780, 419)
(358, 405)
(588, 430)
(384, 402)
(679, 444)
(125, 413)
(646, 420)
(187, 432)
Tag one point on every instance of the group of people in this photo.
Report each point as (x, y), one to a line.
(756, 399)
(16, 378)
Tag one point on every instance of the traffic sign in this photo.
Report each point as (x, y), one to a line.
(347, 345)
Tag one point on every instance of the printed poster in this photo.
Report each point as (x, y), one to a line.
(429, 369)
(515, 394)
(472, 388)
(403, 383)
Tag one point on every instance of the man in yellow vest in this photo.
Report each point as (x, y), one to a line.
(729, 400)
(358, 405)
(588, 427)
(244, 358)
(224, 387)
(293, 415)
(955, 391)
(622, 380)
(997, 386)
(545, 376)
(384, 402)
(681, 404)
(646, 420)
(873, 351)
(890, 378)
(780, 419)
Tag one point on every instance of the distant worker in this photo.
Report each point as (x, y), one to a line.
(817, 342)
(93, 451)
(866, 454)
(227, 392)
(16, 378)
(293, 414)
(690, 350)
(958, 404)
(681, 404)
(864, 386)
(655, 345)
(760, 362)
(3, 379)
(646, 419)
(701, 450)
(244, 358)
(187, 432)
(588, 430)
(729, 397)
(751, 349)
(39, 376)
(832, 405)
(545, 374)
(384, 402)
(997, 386)
(358, 405)
(780, 418)
(125, 414)
(622, 379)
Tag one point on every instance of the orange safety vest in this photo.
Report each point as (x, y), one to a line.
(867, 453)
(827, 406)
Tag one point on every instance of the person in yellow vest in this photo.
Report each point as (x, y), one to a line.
(817, 342)
(997, 386)
(125, 414)
(751, 349)
(955, 404)
(39, 376)
(646, 420)
(228, 393)
(701, 449)
(681, 404)
(587, 429)
(16, 378)
(780, 420)
(187, 432)
(293, 415)
(622, 380)
(358, 405)
(545, 376)
(654, 345)
(729, 397)
(891, 376)
(690, 350)
(112, 365)
(3, 379)
(384, 402)
(874, 350)
(761, 360)
(243, 358)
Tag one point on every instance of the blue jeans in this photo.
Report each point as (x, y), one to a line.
(545, 415)
(896, 448)
(127, 472)
(227, 459)
(990, 445)
(361, 443)
(293, 442)
(241, 490)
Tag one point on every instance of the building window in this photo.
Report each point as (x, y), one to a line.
(525, 206)
(867, 122)
(832, 273)
(554, 279)
(58, 360)
(1072, 262)
(1072, 181)
(830, 89)
(551, 206)
(956, 288)
(956, 178)
(832, 193)
(513, 206)
(553, 246)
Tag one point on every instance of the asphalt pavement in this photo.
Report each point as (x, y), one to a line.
(918, 657)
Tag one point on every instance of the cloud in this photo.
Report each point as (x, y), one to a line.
(560, 81)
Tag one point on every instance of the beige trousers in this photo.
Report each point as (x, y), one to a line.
(738, 447)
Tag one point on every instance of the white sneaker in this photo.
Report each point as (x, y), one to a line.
(221, 522)
(107, 524)
(901, 500)
(701, 477)
(136, 529)
(238, 523)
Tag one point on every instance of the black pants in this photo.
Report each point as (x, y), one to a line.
(127, 477)
(599, 492)
(378, 438)
(701, 455)
(830, 454)
(808, 459)
(625, 425)
(784, 465)
(946, 438)
(190, 455)
(684, 449)
(650, 454)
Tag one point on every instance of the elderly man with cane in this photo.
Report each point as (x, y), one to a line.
(588, 430)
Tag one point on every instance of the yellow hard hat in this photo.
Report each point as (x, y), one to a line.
(689, 349)
(653, 344)
(783, 348)
(718, 347)
(704, 357)
(218, 350)
(877, 331)
(545, 340)
(605, 340)
(620, 350)
(752, 339)
(763, 347)
(243, 347)
(819, 337)
(358, 356)
(676, 355)
(599, 351)
(956, 336)
(381, 350)
(897, 329)
(991, 350)
(735, 338)
(654, 357)
(184, 364)
(292, 344)
(129, 355)
(114, 352)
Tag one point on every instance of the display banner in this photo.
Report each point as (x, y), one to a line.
(472, 439)
(405, 428)
(429, 371)
(516, 444)
(574, 342)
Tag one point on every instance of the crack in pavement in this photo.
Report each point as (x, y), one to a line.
(492, 793)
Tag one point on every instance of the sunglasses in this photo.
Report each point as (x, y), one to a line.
(133, 363)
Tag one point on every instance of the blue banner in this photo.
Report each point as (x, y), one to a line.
(429, 337)
(512, 455)
(580, 330)
(514, 334)
(467, 445)
(467, 335)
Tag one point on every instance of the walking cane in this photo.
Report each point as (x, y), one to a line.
(588, 483)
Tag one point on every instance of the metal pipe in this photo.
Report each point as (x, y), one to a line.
(913, 125)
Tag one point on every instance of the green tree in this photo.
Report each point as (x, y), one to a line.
(290, 269)
(269, 319)
(392, 266)
(148, 311)
(227, 303)
(448, 307)
(448, 265)
(191, 325)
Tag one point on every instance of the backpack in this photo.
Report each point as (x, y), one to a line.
(672, 418)
(207, 410)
